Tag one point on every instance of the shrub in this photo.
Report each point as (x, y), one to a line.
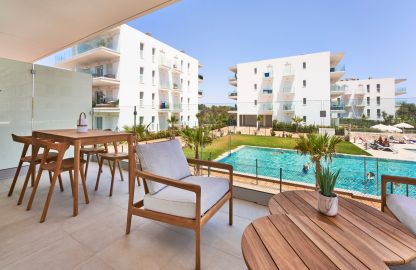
(281, 126)
(272, 133)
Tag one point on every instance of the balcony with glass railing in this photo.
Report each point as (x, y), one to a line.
(164, 62)
(177, 86)
(232, 95)
(177, 106)
(400, 91)
(288, 108)
(266, 107)
(200, 93)
(337, 106)
(288, 89)
(98, 49)
(337, 90)
(164, 105)
(288, 71)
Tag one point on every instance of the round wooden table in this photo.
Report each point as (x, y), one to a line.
(297, 236)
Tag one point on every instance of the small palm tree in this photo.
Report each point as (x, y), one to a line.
(318, 147)
(259, 120)
(195, 138)
(297, 120)
(172, 122)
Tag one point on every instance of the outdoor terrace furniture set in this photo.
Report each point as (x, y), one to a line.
(59, 141)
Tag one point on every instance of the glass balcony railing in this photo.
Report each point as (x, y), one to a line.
(232, 94)
(401, 91)
(288, 107)
(268, 106)
(177, 86)
(177, 106)
(164, 105)
(104, 102)
(164, 62)
(288, 89)
(337, 106)
(338, 88)
(337, 68)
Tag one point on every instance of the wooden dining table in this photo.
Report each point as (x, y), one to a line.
(297, 236)
(92, 137)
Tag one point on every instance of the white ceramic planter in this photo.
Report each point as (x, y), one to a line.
(327, 205)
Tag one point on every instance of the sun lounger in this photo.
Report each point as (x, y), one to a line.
(386, 148)
(409, 140)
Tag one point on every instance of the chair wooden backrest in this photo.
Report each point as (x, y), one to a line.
(393, 179)
(48, 145)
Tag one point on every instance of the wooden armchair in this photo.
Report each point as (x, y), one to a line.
(401, 207)
(173, 195)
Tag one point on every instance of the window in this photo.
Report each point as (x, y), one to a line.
(153, 96)
(255, 86)
(181, 64)
(368, 100)
(153, 54)
(378, 88)
(189, 85)
(255, 70)
(153, 77)
(378, 113)
(181, 100)
(189, 118)
(141, 74)
(378, 101)
(304, 118)
(99, 123)
(368, 112)
(304, 101)
(99, 71)
(141, 94)
(181, 118)
(368, 88)
(304, 65)
(141, 119)
(153, 119)
(189, 67)
(255, 102)
(304, 83)
(141, 50)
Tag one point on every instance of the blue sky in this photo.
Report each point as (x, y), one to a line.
(378, 37)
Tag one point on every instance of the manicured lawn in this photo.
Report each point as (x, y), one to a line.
(221, 145)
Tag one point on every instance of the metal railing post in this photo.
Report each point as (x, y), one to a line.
(377, 175)
(257, 172)
(209, 167)
(280, 180)
(365, 176)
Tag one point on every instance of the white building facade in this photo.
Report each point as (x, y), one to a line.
(132, 69)
(369, 97)
(281, 88)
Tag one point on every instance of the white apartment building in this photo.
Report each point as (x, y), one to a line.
(281, 88)
(369, 97)
(130, 68)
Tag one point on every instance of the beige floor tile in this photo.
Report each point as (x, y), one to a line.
(63, 254)
(94, 263)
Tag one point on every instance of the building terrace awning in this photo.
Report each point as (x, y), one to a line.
(32, 30)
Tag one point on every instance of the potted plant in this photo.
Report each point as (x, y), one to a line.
(327, 199)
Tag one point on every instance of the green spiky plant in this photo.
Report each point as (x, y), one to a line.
(297, 120)
(327, 180)
(318, 147)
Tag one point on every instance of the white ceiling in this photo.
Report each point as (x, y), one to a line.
(33, 29)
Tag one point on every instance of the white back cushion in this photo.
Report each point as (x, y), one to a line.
(404, 208)
(163, 159)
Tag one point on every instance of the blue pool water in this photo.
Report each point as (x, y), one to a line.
(352, 176)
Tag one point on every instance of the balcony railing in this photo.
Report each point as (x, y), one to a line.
(401, 91)
(267, 91)
(177, 106)
(338, 88)
(200, 77)
(268, 106)
(337, 106)
(288, 89)
(177, 86)
(200, 92)
(288, 107)
(164, 105)
(232, 94)
(337, 69)
(105, 102)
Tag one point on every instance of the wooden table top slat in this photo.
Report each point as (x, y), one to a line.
(306, 250)
(358, 236)
(338, 247)
(282, 253)
(73, 134)
(254, 251)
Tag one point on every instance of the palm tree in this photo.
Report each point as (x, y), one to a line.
(259, 120)
(318, 147)
(297, 120)
(195, 138)
(172, 121)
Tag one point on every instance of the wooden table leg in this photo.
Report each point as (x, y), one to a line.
(132, 176)
(77, 147)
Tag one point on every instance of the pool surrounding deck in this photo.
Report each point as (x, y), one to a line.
(354, 169)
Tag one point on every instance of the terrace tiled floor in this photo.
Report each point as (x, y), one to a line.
(96, 238)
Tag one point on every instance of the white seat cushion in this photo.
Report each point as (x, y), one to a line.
(404, 208)
(179, 202)
(163, 159)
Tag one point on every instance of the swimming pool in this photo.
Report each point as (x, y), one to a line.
(353, 168)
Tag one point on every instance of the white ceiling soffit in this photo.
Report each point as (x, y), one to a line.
(31, 30)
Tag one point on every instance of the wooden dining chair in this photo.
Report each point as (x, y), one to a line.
(90, 152)
(114, 161)
(56, 168)
(24, 158)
